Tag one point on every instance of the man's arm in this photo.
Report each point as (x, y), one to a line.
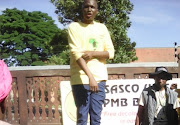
(95, 54)
(92, 82)
(139, 116)
(88, 55)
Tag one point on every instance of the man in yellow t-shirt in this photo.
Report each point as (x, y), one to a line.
(90, 45)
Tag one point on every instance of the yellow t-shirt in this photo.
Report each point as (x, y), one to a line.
(88, 37)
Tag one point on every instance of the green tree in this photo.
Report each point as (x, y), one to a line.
(60, 49)
(61, 58)
(62, 44)
(25, 37)
(114, 14)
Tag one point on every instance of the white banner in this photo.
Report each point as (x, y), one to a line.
(121, 103)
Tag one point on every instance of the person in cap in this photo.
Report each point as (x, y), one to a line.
(5, 88)
(158, 103)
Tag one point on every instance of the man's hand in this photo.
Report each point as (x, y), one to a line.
(93, 85)
(88, 55)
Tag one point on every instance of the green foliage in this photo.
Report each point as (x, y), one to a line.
(59, 42)
(25, 37)
(114, 14)
(68, 10)
(60, 49)
(60, 59)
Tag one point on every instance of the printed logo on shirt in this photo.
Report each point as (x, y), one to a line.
(93, 42)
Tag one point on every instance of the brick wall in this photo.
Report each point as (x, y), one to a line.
(156, 54)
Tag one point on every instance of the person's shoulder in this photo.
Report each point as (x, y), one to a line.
(100, 24)
(74, 24)
(150, 88)
(172, 91)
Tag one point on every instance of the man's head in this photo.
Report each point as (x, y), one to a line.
(89, 10)
(161, 75)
